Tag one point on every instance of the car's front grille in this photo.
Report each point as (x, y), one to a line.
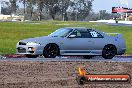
(22, 43)
(21, 50)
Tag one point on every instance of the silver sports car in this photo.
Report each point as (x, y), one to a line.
(84, 42)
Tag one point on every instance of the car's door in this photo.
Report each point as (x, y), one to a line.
(81, 43)
(97, 40)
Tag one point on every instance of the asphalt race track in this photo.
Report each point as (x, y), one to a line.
(115, 59)
(118, 24)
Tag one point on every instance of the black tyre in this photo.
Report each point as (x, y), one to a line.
(88, 57)
(81, 80)
(51, 51)
(31, 56)
(109, 51)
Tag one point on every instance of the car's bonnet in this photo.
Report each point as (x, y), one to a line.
(37, 39)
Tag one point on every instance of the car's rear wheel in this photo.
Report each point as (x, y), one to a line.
(109, 51)
(88, 56)
(31, 56)
(51, 51)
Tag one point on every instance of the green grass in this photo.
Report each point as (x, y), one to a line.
(11, 32)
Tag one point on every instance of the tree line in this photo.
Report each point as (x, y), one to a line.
(66, 9)
(53, 9)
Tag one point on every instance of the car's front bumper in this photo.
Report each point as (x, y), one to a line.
(32, 50)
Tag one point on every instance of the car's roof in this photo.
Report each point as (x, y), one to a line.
(76, 27)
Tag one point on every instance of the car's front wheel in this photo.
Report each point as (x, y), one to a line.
(51, 51)
(109, 51)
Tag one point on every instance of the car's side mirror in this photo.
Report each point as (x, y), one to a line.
(72, 36)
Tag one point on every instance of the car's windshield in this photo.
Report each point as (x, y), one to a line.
(63, 32)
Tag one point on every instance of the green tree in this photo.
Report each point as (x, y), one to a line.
(30, 7)
(13, 6)
(5, 8)
(40, 5)
(24, 4)
(81, 8)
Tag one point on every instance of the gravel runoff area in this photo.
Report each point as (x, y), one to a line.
(28, 74)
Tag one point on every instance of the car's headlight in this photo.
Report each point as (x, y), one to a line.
(32, 43)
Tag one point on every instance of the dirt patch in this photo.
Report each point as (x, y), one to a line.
(14, 56)
(21, 74)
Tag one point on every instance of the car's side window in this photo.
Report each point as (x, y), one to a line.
(81, 33)
(77, 33)
(95, 34)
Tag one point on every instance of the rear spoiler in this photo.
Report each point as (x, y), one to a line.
(112, 33)
(118, 35)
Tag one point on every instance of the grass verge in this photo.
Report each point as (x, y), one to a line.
(12, 32)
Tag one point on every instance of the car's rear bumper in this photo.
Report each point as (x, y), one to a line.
(32, 50)
(121, 51)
